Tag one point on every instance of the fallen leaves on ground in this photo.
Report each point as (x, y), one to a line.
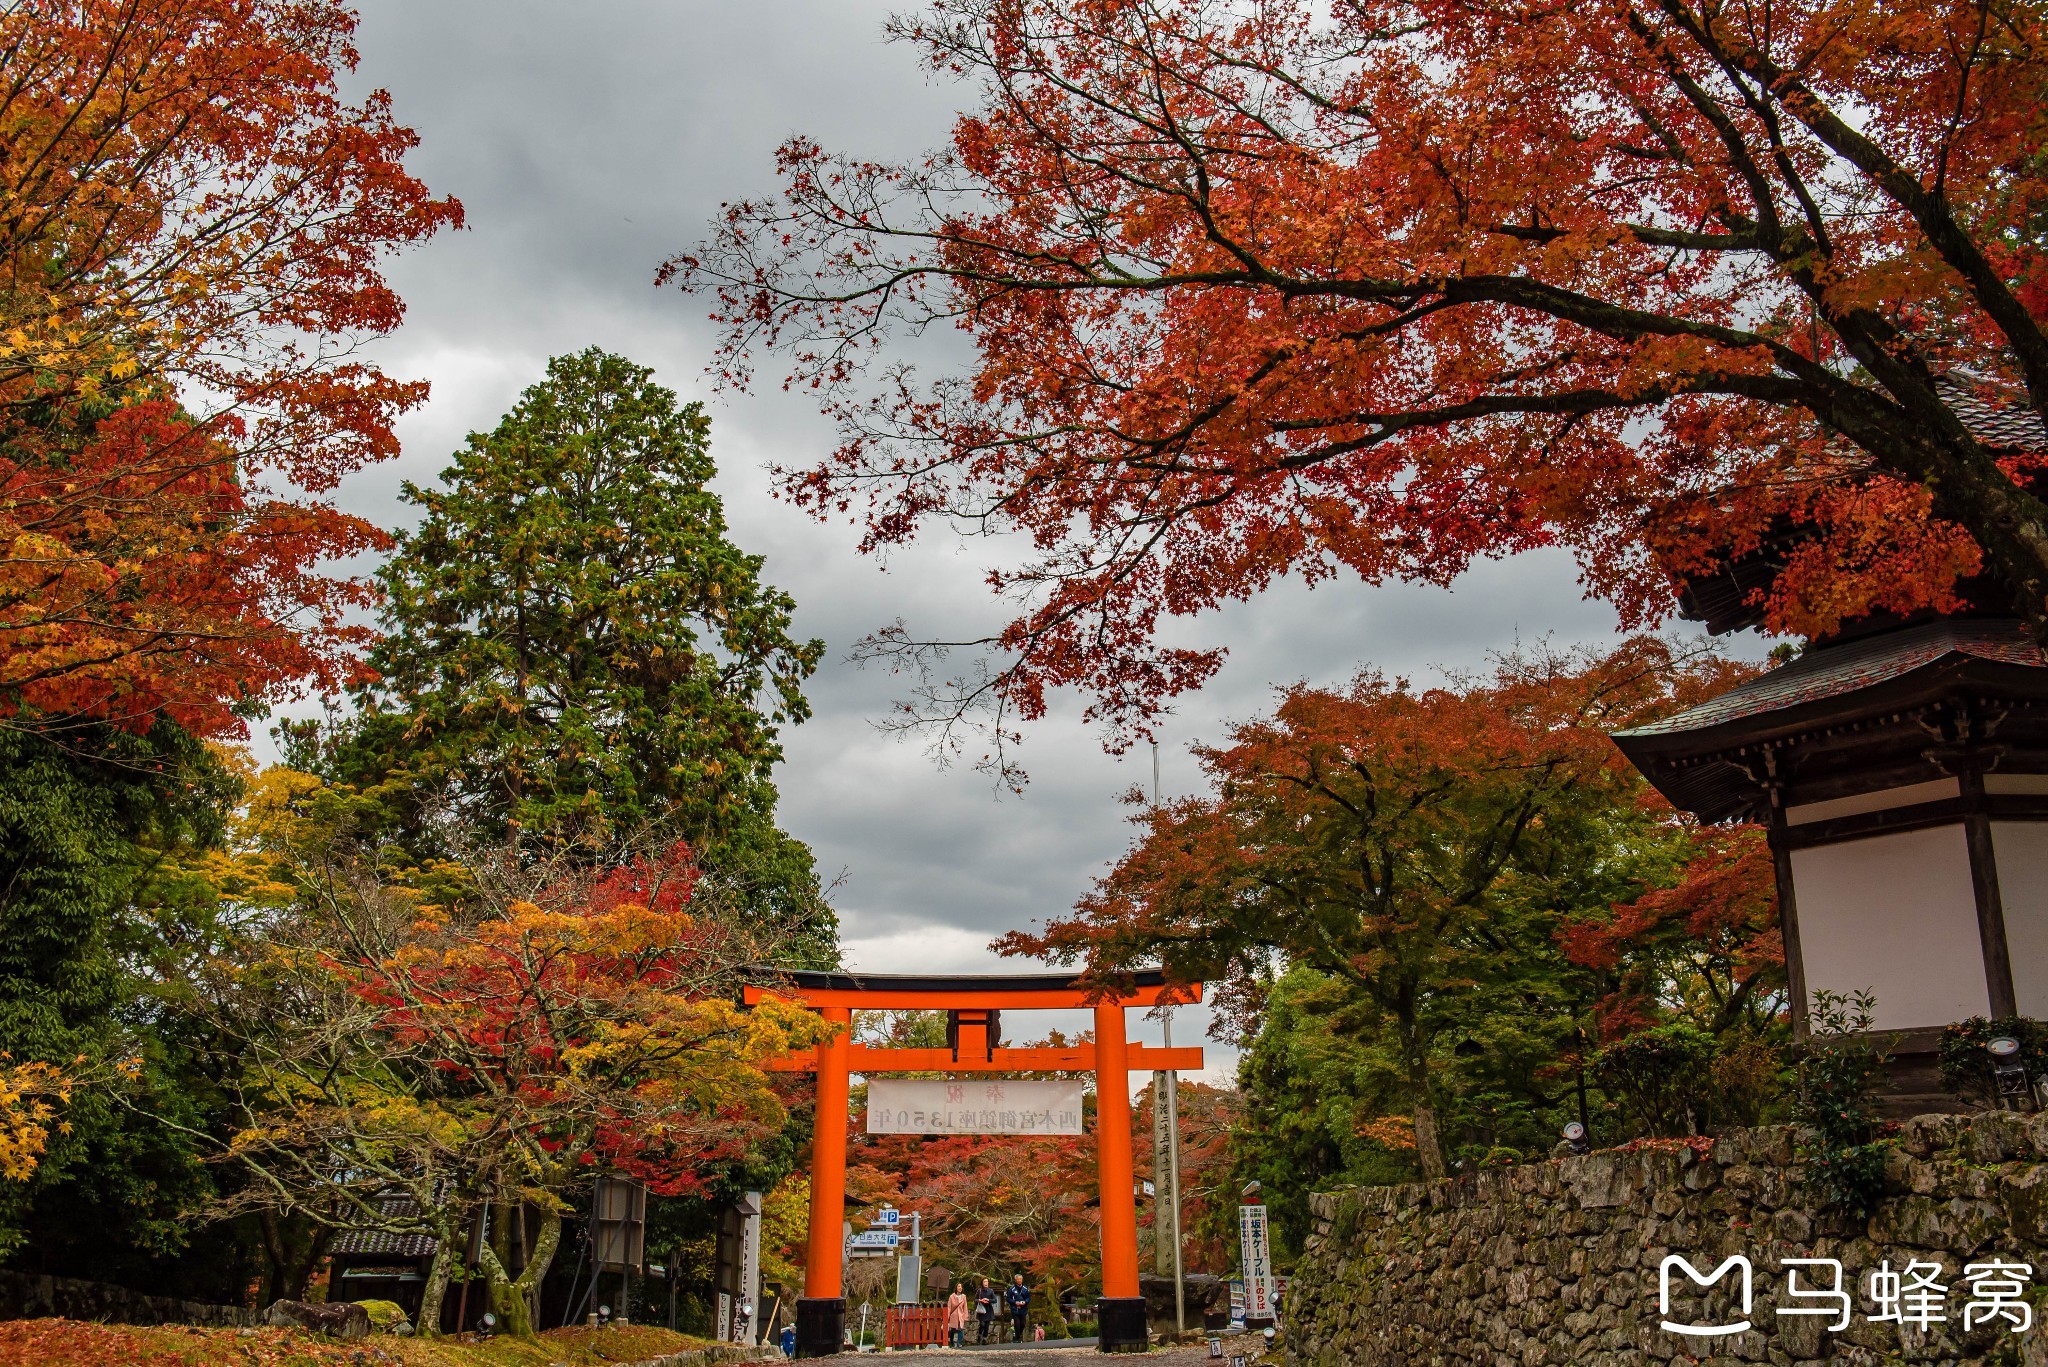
(72, 1343)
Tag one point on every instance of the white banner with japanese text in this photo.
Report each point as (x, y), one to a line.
(1257, 1247)
(983, 1106)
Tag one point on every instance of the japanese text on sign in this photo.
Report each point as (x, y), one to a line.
(991, 1106)
(1257, 1248)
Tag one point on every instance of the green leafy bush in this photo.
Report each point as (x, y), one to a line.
(1839, 1080)
(1661, 1080)
(1966, 1067)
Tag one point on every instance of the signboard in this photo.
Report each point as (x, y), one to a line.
(992, 1106)
(750, 1261)
(909, 1279)
(889, 1216)
(884, 1240)
(618, 1226)
(1165, 1219)
(724, 1330)
(1256, 1242)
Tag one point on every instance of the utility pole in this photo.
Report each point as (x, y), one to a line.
(1166, 1157)
(1180, 1292)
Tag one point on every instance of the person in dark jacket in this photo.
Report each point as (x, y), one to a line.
(1018, 1297)
(984, 1310)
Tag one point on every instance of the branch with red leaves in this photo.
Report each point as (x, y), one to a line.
(1266, 291)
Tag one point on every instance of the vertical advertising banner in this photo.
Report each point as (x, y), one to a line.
(1257, 1246)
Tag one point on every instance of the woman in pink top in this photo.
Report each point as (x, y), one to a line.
(956, 1316)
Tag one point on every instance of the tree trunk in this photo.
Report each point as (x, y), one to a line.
(429, 1322)
(512, 1297)
(274, 1257)
(289, 1272)
(1427, 1147)
(316, 1252)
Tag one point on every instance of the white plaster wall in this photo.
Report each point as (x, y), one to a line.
(2022, 850)
(1896, 914)
(1883, 800)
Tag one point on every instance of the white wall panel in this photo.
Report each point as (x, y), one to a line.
(1883, 800)
(1896, 914)
(2022, 849)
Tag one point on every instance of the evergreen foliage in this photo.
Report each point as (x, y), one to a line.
(89, 819)
(576, 651)
(1839, 1080)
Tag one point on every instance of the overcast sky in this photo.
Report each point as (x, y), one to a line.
(589, 141)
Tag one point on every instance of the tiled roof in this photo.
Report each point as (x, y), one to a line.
(377, 1243)
(1721, 596)
(1832, 671)
(2010, 425)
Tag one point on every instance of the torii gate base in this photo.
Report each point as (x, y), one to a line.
(974, 1003)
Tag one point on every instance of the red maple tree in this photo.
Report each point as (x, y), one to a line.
(1442, 853)
(192, 231)
(1711, 941)
(1278, 288)
(496, 1033)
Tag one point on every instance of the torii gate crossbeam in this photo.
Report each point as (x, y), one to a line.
(973, 1002)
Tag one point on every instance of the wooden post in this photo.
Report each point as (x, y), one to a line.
(1120, 1314)
(1991, 934)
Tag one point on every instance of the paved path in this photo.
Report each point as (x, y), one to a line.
(1069, 1355)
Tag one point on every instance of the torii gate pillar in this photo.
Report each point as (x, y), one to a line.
(821, 1310)
(1120, 1311)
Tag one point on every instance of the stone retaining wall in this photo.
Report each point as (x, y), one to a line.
(713, 1357)
(27, 1297)
(1560, 1262)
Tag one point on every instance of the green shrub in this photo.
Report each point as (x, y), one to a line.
(1839, 1080)
(1966, 1067)
(1661, 1080)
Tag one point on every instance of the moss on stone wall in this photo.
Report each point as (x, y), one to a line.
(1559, 1262)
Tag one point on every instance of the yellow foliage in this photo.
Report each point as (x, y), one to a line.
(29, 1096)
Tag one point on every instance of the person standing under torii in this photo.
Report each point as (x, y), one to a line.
(984, 1310)
(956, 1316)
(1018, 1297)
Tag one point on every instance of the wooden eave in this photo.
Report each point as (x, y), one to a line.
(1886, 734)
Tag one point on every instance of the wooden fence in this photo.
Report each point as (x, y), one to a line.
(915, 1326)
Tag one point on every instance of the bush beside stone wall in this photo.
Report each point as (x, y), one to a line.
(27, 1297)
(1559, 1262)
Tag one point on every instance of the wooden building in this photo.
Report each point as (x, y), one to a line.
(1900, 767)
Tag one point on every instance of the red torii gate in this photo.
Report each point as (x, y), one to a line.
(973, 1004)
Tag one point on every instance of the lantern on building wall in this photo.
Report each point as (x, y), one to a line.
(1902, 774)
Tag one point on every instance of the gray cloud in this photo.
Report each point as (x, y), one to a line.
(591, 141)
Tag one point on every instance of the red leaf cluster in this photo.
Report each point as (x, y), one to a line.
(1389, 286)
(192, 232)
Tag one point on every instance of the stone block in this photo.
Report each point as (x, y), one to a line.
(337, 1319)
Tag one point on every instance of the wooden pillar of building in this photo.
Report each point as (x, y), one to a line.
(821, 1311)
(1120, 1313)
